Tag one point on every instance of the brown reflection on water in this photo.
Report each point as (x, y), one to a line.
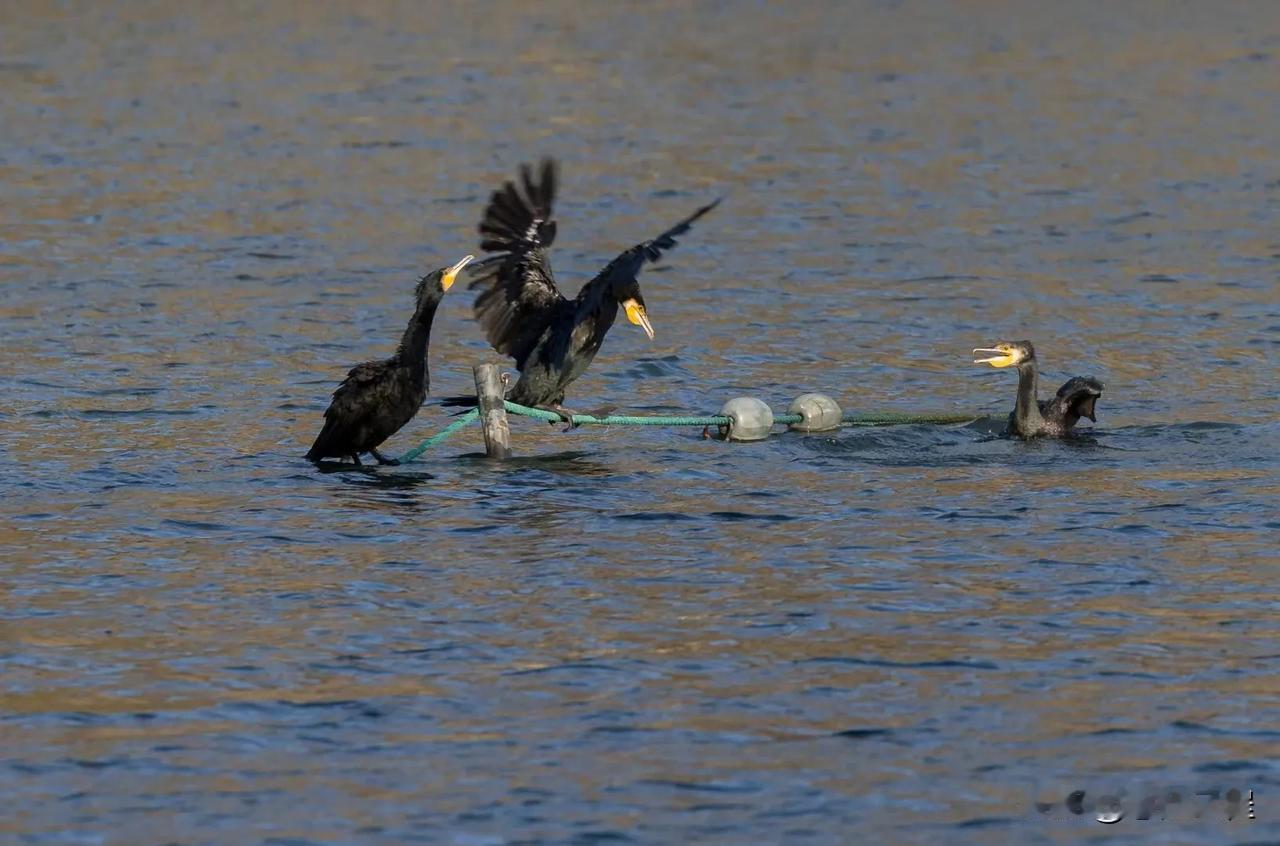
(208, 213)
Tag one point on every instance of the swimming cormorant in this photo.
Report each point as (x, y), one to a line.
(378, 397)
(1030, 417)
(551, 337)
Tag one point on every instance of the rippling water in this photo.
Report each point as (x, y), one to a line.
(904, 635)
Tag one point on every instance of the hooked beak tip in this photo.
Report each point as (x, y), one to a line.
(637, 315)
(451, 274)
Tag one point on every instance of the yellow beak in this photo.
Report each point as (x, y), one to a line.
(446, 281)
(637, 315)
(995, 356)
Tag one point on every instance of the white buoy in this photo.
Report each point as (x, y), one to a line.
(820, 412)
(752, 419)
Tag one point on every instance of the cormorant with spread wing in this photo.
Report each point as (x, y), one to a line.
(378, 397)
(551, 337)
(1030, 417)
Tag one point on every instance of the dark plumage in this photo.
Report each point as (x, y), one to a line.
(379, 397)
(1030, 417)
(551, 337)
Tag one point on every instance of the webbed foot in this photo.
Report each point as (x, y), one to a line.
(566, 414)
(382, 459)
(569, 414)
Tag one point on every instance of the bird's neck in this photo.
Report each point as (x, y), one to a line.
(417, 335)
(608, 311)
(1028, 409)
(600, 312)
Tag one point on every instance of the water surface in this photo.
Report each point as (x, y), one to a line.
(904, 635)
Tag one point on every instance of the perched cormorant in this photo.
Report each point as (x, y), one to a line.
(378, 397)
(1031, 418)
(551, 337)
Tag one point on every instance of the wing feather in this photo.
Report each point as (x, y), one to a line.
(352, 402)
(1078, 398)
(518, 297)
(353, 393)
(628, 263)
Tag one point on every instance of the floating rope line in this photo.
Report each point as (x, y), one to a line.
(461, 423)
(618, 419)
(882, 419)
(718, 420)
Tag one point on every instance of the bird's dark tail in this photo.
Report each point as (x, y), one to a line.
(323, 448)
(459, 402)
(519, 217)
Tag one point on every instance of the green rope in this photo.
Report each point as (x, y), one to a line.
(882, 419)
(614, 419)
(459, 424)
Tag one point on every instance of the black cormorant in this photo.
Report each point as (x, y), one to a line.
(551, 337)
(1031, 418)
(378, 397)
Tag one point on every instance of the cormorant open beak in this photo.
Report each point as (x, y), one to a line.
(637, 315)
(446, 281)
(995, 356)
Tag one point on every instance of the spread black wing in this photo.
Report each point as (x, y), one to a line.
(518, 295)
(1078, 397)
(628, 264)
